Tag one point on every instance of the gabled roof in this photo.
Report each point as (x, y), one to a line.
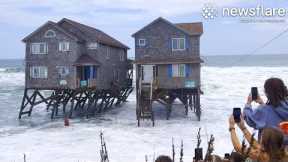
(91, 34)
(188, 28)
(55, 26)
(86, 59)
(192, 28)
(86, 33)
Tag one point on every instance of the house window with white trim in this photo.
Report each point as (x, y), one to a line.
(63, 70)
(50, 34)
(142, 42)
(38, 72)
(116, 75)
(122, 56)
(92, 45)
(39, 48)
(178, 44)
(64, 46)
(178, 70)
(107, 53)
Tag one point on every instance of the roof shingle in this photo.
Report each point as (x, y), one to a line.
(92, 34)
(191, 28)
(188, 28)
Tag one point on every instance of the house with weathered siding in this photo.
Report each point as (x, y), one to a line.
(76, 63)
(70, 55)
(167, 59)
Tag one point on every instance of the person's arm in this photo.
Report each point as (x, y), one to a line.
(254, 118)
(247, 134)
(254, 151)
(234, 139)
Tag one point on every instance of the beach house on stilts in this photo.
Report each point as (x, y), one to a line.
(167, 59)
(69, 63)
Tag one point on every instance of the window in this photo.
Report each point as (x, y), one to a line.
(63, 70)
(116, 75)
(64, 46)
(107, 53)
(50, 34)
(178, 70)
(39, 48)
(142, 42)
(155, 71)
(122, 56)
(92, 45)
(181, 70)
(38, 72)
(178, 44)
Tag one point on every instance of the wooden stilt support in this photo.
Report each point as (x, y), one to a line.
(85, 101)
(188, 97)
(198, 107)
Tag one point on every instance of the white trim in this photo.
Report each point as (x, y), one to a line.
(143, 43)
(50, 30)
(178, 44)
(122, 56)
(92, 45)
(64, 46)
(176, 70)
(107, 53)
(38, 72)
(63, 71)
(35, 48)
(116, 75)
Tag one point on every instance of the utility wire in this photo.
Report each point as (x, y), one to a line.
(262, 46)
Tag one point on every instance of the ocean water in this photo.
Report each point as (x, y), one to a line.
(225, 85)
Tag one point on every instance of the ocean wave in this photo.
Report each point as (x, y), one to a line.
(11, 70)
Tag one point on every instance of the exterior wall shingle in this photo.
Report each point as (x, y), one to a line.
(55, 58)
(158, 38)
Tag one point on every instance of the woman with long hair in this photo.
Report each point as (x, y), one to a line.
(271, 113)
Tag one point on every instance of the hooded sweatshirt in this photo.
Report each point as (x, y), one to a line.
(266, 116)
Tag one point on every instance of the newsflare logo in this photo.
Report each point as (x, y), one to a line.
(258, 13)
(209, 11)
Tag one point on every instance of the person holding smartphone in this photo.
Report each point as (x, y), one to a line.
(271, 113)
(269, 148)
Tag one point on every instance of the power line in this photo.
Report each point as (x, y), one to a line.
(262, 46)
(270, 41)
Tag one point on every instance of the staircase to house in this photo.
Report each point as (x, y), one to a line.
(145, 98)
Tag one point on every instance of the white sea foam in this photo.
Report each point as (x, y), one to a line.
(49, 141)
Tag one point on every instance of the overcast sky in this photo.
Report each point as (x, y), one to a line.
(122, 18)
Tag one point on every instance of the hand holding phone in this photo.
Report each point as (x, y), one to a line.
(254, 93)
(237, 114)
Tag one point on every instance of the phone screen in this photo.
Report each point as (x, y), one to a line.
(237, 114)
(254, 93)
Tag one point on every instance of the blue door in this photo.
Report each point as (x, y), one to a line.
(88, 73)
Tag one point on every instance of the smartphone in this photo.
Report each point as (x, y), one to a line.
(237, 114)
(227, 156)
(198, 154)
(254, 93)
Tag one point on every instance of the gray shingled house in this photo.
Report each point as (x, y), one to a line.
(70, 55)
(167, 58)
